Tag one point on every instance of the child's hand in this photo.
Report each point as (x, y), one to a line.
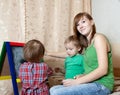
(50, 71)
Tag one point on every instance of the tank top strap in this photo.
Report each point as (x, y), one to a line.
(109, 46)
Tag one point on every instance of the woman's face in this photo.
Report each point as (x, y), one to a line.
(84, 26)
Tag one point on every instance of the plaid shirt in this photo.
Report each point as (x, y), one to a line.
(33, 77)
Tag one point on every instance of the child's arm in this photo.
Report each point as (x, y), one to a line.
(50, 71)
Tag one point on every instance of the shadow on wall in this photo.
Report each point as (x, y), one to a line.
(116, 59)
(116, 64)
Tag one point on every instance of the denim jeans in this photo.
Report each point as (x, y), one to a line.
(81, 89)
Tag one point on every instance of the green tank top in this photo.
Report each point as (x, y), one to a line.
(91, 63)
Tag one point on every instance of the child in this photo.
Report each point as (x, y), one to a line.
(33, 73)
(74, 61)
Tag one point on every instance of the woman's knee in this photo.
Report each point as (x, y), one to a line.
(51, 90)
(55, 90)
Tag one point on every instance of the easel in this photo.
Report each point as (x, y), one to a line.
(7, 49)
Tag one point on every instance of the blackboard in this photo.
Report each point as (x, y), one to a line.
(17, 53)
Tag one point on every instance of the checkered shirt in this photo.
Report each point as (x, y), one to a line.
(33, 77)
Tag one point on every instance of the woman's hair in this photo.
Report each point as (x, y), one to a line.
(82, 38)
(33, 51)
(74, 40)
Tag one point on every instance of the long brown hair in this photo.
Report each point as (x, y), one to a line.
(82, 38)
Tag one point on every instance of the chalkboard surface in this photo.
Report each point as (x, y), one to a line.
(17, 58)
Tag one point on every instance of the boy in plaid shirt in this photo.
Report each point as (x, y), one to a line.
(33, 73)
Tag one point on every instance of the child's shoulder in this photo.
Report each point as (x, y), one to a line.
(42, 64)
(25, 64)
(79, 55)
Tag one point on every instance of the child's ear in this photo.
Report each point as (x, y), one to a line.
(79, 48)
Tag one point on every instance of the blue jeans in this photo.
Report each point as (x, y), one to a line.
(82, 89)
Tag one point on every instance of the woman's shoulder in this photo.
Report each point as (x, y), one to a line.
(101, 41)
(100, 37)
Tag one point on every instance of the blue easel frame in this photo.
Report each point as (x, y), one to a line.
(11, 64)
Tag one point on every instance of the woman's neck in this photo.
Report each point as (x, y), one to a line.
(89, 38)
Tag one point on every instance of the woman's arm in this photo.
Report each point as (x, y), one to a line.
(56, 54)
(101, 45)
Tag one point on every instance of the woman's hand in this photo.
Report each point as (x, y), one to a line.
(70, 82)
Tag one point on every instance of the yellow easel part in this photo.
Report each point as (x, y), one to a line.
(9, 77)
(5, 77)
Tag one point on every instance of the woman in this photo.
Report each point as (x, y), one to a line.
(98, 78)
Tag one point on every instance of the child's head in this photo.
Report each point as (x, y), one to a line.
(33, 51)
(72, 45)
